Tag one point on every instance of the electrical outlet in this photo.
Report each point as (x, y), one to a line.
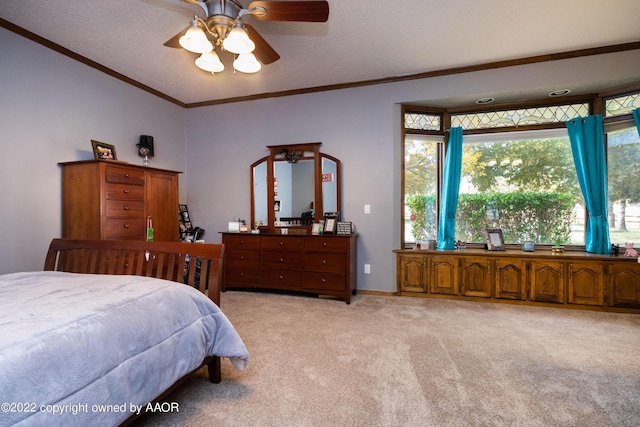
(367, 209)
(367, 269)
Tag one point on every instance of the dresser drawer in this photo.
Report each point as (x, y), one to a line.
(122, 175)
(325, 244)
(284, 243)
(125, 192)
(241, 241)
(126, 227)
(241, 258)
(325, 262)
(281, 279)
(288, 260)
(125, 208)
(320, 281)
(249, 276)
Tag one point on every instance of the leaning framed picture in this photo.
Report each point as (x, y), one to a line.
(495, 239)
(331, 222)
(103, 151)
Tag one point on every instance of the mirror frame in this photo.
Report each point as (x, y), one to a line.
(307, 151)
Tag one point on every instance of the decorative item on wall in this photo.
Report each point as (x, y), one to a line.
(145, 148)
(103, 151)
(223, 30)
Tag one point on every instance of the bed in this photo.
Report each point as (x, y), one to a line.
(109, 327)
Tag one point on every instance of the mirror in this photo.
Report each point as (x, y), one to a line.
(306, 183)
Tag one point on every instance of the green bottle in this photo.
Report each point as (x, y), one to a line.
(149, 230)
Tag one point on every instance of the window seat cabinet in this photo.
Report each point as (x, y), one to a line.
(318, 264)
(569, 280)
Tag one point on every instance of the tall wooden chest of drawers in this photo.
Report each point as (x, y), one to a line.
(319, 264)
(112, 200)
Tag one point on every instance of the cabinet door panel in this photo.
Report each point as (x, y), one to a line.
(412, 273)
(625, 285)
(547, 281)
(510, 279)
(475, 277)
(586, 283)
(443, 278)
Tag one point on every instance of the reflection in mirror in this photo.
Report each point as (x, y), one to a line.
(329, 185)
(259, 182)
(294, 187)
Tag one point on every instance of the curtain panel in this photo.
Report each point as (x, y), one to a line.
(450, 188)
(587, 145)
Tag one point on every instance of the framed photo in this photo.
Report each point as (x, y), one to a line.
(103, 151)
(331, 222)
(495, 239)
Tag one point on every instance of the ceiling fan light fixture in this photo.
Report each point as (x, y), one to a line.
(247, 63)
(238, 41)
(209, 61)
(195, 40)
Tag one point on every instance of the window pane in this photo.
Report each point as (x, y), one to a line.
(624, 186)
(420, 187)
(527, 187)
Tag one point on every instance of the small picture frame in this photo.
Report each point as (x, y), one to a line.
(495, 239)
(331, 222)
(103, 151)
(344, 227)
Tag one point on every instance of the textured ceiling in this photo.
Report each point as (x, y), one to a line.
(362, 40)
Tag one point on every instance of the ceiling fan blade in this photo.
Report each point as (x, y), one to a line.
(175, 40)
(302, 11)
(263, 51)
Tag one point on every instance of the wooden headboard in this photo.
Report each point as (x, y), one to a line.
(164, 260)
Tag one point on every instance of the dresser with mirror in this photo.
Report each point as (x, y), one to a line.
(292, 188)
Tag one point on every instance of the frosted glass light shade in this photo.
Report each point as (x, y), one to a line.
(195, 40)
(247, 63)
(209, 61)
(238, 41)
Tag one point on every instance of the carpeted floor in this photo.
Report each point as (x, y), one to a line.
(400, 361)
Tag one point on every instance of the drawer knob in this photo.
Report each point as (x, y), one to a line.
(281, 243)
(281, 277)
(324, 262)
(323, 281)
(242, 242)
(242, 258)
(324, 244)
(126, 175)
(281, 259)
(126, 191)
(242, 274)
(126, 226)
(126, 208)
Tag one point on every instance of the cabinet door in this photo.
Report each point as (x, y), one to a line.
(161, 200)
(586, 283)
(412, 273)
(625, 285)
(547, 281)
(475, 277)
(444, 278)
(511, 279)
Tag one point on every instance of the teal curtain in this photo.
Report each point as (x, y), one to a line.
(636, 118)
(587, 144)
(450, 188)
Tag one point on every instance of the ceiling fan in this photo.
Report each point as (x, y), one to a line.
(223, 29)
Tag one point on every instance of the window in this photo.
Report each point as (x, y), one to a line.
(524, 183)
(518, 172)
(421, 154)
(623, 150)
